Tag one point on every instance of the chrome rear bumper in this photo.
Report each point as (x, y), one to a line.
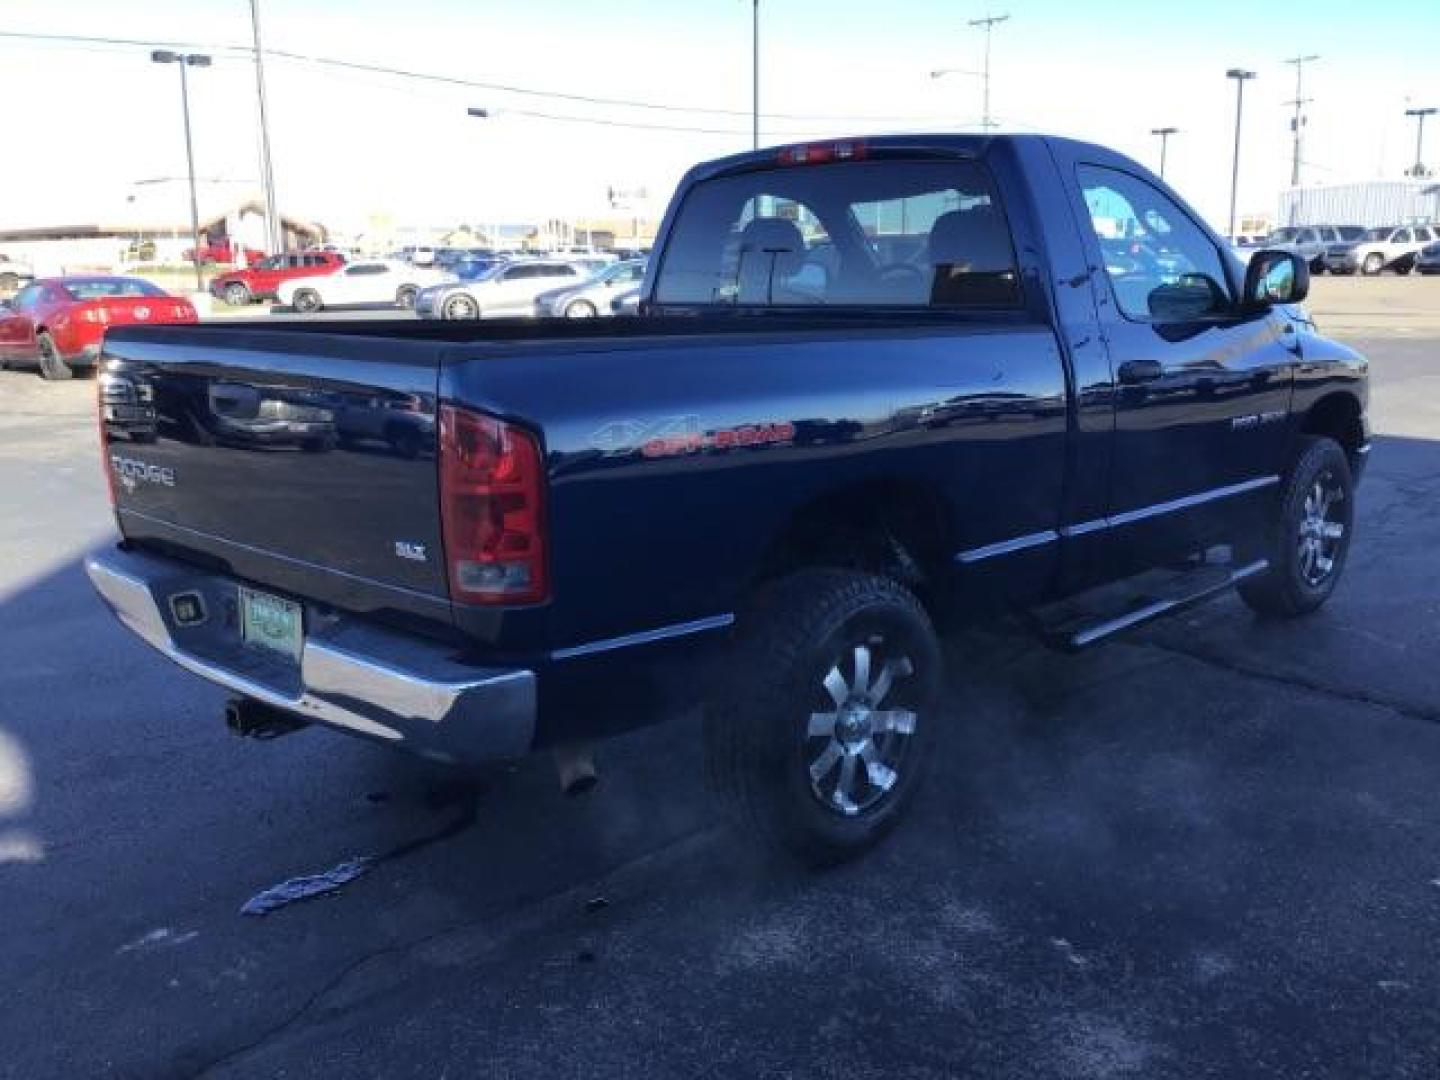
(352, 676)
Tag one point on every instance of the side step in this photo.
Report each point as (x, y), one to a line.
(1182, 591)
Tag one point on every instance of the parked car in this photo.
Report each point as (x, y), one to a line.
(14, 274)
(368, 281)
(507, 290)
(57, 323)
(1311, 242)
(1428, 261)
(591, 297)
(764, 500)
(263, 280)
(224, 252)
(1385, 248)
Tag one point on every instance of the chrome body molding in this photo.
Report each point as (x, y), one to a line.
(646, 637)
(1127, 517)
(351, 676)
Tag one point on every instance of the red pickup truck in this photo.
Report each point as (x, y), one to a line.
(260, 282)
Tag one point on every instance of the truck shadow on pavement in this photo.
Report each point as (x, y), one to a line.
(1211, 843)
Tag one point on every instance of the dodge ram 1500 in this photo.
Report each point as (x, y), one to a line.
(876, 387)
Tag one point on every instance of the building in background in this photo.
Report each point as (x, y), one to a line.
(1369, 203)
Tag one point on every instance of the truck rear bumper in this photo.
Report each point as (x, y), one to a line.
(352, 676)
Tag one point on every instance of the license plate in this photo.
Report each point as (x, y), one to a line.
(271, 622)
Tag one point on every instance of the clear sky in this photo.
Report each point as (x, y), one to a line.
(82, 124)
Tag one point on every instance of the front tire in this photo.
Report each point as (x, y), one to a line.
(236, 294)
(52, 364)
(581, 309)
(1309, 539)
(307, 301)
(1373, 264)
(823, 736)
(460, 307)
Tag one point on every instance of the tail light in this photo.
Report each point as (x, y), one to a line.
(492, 509)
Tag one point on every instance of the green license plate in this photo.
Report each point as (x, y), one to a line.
(270, 622)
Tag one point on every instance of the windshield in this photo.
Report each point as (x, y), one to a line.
(886, 234)
(109, 288)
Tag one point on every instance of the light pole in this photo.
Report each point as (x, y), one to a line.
(188, 60)
(486, 114)
(1298, 121)
(274, 228)
(1164, 134)
(989, 23)
(1419, 115)
(1241, 76)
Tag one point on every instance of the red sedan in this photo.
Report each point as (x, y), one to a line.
(58, 323)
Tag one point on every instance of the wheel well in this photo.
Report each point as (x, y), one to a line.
(885, 526)
(1338, 417)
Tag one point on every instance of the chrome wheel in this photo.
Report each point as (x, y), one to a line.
(857, 749)
(1322, 529)
(461, 307)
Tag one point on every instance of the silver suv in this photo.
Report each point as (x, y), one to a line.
(1310, 242)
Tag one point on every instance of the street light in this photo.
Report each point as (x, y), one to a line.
(988, 23)
(1419, 115)
(1164, 134)
(188, 60)
(1241, 76)
(274, 227)
(486, 114)
(755, 75)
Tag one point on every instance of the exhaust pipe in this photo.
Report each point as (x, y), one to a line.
(251, 719)
(575, 765)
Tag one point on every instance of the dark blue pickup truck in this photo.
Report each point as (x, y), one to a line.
(877, 387)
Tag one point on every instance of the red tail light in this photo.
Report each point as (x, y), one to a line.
(492, 509)
(824, 153)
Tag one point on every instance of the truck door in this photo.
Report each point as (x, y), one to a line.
(1203, 389)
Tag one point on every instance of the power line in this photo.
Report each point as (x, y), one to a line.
(451, 80)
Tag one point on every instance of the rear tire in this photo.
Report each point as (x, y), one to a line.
(581, 309)
(405, 297)
(52, 364)
(1309, 539)
(237, 295)
(824, 734)
(307, 301)
(1373, 264)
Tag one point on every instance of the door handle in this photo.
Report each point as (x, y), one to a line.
(1138, 371)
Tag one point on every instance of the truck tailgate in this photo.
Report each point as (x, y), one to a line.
(298, 461)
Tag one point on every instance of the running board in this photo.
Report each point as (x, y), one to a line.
(1076, 637)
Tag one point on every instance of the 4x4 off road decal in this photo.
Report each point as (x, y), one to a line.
(675, 436)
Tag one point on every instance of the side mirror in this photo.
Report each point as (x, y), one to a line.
(1276, 277)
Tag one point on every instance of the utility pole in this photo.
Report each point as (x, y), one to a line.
(988, 23)
(755, 74)
(188, 60)
(1298, 121)
(1241, 76)
(1420, 115)
(1164, 134)
(274, 228)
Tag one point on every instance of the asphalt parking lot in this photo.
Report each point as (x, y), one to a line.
(1211, 849)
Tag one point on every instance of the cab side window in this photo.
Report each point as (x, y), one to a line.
(27, 298)
(1161, 265)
